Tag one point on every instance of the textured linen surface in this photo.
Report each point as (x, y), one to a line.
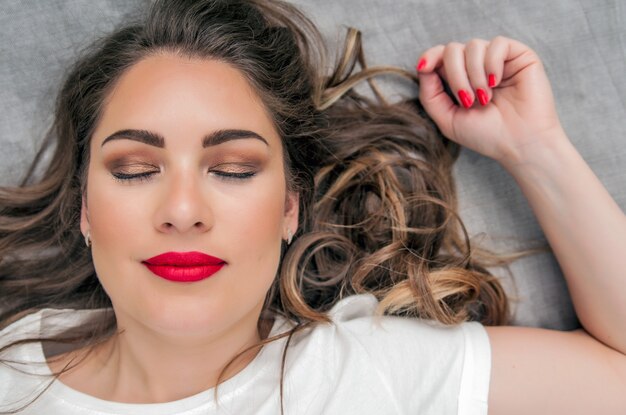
(357, 365)
(582, 43)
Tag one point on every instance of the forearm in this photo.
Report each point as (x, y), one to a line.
(586, 230)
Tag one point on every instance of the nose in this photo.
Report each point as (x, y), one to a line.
(182, 207)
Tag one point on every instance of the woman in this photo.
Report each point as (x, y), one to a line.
(215, 206)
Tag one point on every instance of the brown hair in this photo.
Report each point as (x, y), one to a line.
(377, 199)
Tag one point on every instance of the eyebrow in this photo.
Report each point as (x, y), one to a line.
(157, 140)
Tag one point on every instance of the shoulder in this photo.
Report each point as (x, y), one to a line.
(354, 317)
(420, 363)
(45, 322)
(26, 326)
(23, 366)
(15, 385)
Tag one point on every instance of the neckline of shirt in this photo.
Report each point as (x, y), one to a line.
(263, 363)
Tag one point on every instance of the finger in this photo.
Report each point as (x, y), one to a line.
(494, 60)
(501, 50)
(436, 101)
(475, 52)
(454, 62)
(430, 60)
(441, 71)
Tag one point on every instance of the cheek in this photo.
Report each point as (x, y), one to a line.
(255, 242)
(118, 223)
(114, 220)
(256, 222)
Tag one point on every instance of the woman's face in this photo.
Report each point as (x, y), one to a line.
(186, 159)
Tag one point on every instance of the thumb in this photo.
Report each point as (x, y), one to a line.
(436, 101)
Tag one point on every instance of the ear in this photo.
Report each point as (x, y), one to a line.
(84, 217)
(292, 210)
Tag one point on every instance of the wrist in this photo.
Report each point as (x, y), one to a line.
(545, 151)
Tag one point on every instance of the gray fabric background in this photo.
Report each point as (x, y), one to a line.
(582, 43)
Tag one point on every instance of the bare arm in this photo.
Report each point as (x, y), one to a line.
(537, 371)
(534, 370)
(586, 230)
(575, 372)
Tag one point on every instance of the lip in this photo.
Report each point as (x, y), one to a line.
(184, 266)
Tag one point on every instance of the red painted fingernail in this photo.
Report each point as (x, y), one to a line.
(482, 96)
(492, 80)
(465, 98)
(421, 64)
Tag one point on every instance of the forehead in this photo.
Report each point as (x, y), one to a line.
(180, 95)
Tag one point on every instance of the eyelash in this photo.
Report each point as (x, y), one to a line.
(140, 177)
(144, 177)
(234, 176)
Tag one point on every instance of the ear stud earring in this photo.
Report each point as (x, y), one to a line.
(88, 239)
(289, 236)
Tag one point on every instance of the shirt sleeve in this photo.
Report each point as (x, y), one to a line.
(476, 372)
(427, 367)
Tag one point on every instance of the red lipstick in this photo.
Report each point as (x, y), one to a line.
(184, 266)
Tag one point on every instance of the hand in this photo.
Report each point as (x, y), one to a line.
(505, 105)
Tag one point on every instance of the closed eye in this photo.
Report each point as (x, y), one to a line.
(225, 175)
(146, 176)
(141, 177)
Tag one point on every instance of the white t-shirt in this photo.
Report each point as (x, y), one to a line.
(357, 365)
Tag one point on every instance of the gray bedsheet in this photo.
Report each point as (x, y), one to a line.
(582, 43)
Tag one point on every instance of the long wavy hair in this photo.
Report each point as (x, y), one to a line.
(377, 198)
